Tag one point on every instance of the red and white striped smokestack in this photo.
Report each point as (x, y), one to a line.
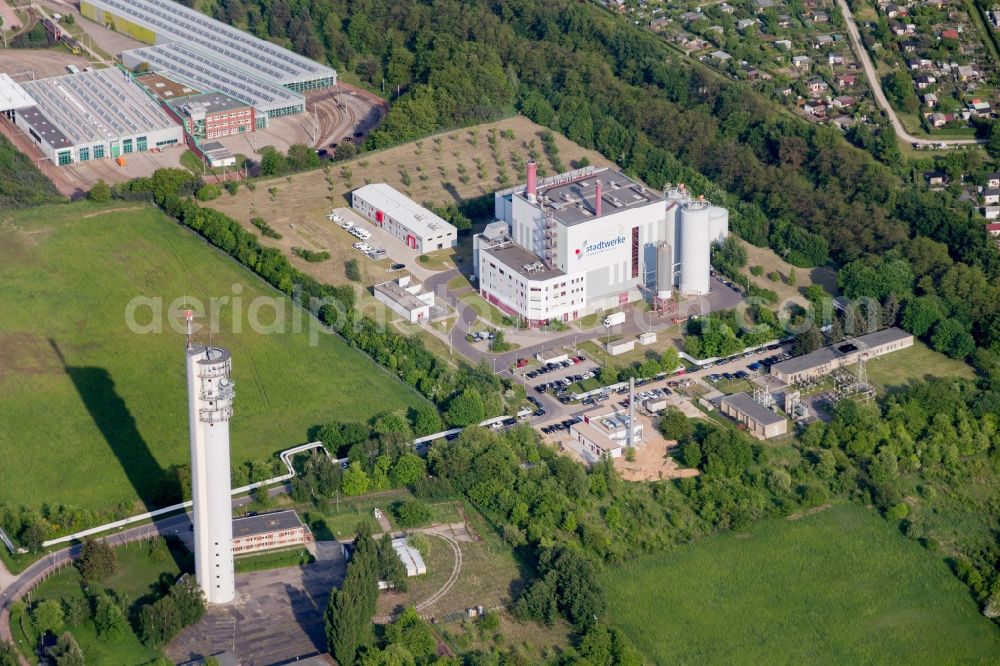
(597, 200)
(532, 181)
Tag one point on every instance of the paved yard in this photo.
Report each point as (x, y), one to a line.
(277, 617)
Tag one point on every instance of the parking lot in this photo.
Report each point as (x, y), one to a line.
(757, 364)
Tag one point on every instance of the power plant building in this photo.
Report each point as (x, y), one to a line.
(93, 115)
(210, 407)
(411, 223)
(593, 239)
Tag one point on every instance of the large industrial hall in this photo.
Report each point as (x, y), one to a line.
(163, 22)
(93, 115)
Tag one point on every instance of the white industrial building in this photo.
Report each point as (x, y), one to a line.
(407, 298)
(413, 224)
(93, 115)
(593, 239)
(210, 407)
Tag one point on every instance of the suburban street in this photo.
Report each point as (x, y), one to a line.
(875, 83)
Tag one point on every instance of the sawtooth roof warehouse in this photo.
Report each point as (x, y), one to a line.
(592, 239)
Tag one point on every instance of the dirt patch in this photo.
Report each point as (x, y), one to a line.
(653, 462)
(27, 354)
(809, 512)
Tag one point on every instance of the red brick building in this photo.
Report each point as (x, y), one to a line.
(213, 115)
(267, 531)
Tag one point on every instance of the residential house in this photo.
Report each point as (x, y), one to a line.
(936, 178)
(801, 62)
(822, 41)
(815, 109)
(930, 100)
(951, 33)
(834, 59)
(924, 81)
(784, 43)
(895, 11)
(843, 102)
(978, 107)
(784, 20)
(817, 86)
(908, 46)
(897, 28)
(763, 5)
(923, 64)
(938, 120)
(720, 56)
(993, 229)
(658, 24)
(820, 17)
(995, 18)
(991, 213)
(726, 8)
(744, 24)
(688, 17)
(991, 196)
(846, 80)
(993, 179)
(968, 73)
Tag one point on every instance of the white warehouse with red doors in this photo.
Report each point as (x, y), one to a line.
(411, 223)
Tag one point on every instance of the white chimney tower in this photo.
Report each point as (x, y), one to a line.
(210, 406)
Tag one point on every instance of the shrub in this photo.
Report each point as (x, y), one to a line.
(756, 271)
(100, 192)
(353, 270)
(411, 513)
(311, 256)
(265, 228)
(207, 192)
(232, 186)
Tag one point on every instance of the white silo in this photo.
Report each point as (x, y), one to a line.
(210, 406)
(719, 220)
(695, 247)
(664, 270)
(675, 198)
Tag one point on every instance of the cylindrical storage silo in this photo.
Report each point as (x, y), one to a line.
(695, 249)
(720, 223)
(676, 198)
(664, 270)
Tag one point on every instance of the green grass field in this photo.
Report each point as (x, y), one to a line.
(836, 587)
(91, 413)
(278, 559)
(917, 362)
